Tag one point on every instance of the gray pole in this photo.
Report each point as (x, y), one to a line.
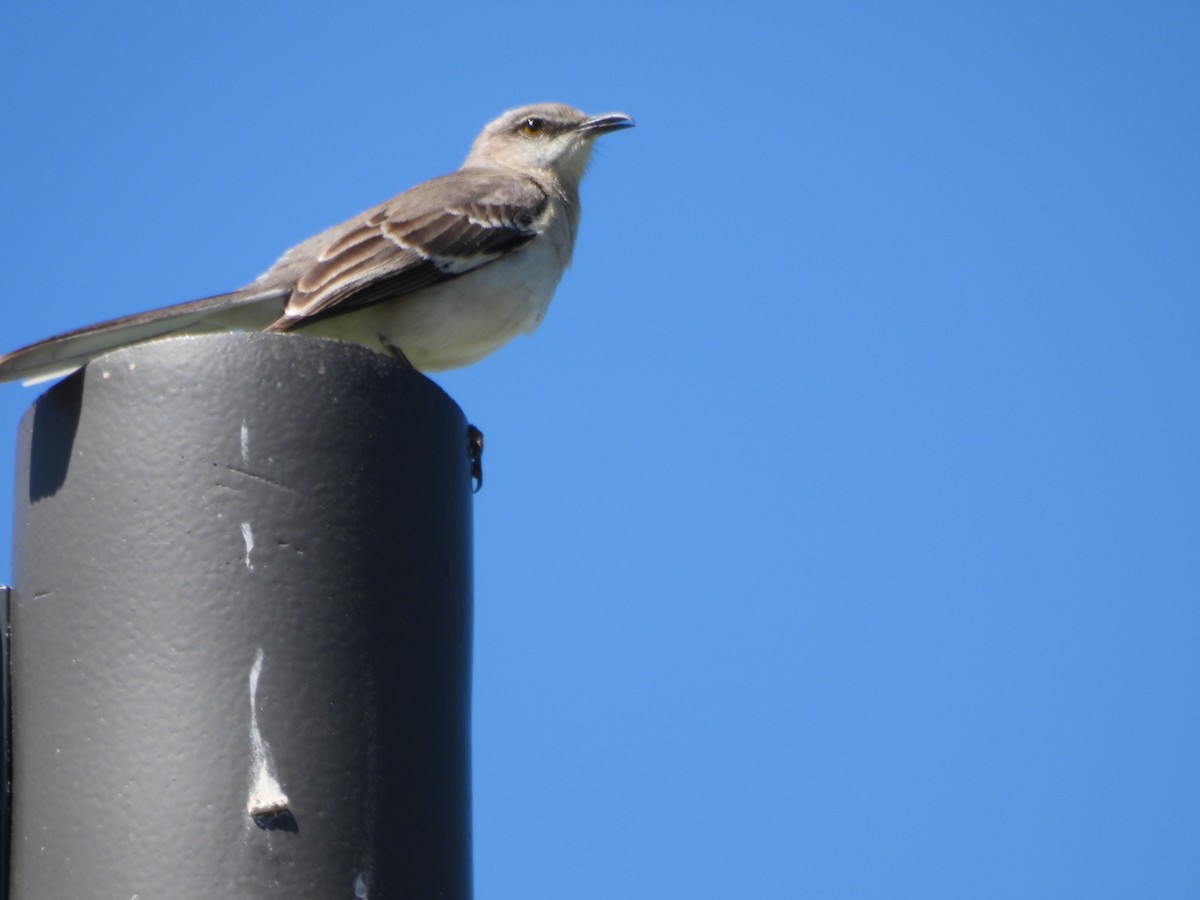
(5, 594)
(241, 628)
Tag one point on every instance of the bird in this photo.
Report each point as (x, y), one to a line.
(439, 276)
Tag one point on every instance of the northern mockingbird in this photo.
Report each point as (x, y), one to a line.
(440, 275)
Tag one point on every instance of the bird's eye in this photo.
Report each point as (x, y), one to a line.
(533, 126)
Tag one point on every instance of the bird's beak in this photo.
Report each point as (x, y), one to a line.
(598, 125)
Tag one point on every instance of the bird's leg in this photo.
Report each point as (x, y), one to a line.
(396, 353)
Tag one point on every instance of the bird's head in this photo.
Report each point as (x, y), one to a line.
(544, 137)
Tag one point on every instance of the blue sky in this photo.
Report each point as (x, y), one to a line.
(841, 534)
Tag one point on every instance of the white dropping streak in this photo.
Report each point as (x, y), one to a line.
(247, 533)
(266, 796)
(248, 537)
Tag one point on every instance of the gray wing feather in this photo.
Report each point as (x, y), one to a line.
(436, 231)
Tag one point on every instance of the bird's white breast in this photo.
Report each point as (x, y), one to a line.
(456, 322)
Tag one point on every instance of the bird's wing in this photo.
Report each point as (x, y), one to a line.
(63, 353)
(438, 230)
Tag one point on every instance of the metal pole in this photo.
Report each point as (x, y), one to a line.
(241, 628)
(5, 739)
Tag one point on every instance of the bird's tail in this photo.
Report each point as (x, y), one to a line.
(62, 354)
